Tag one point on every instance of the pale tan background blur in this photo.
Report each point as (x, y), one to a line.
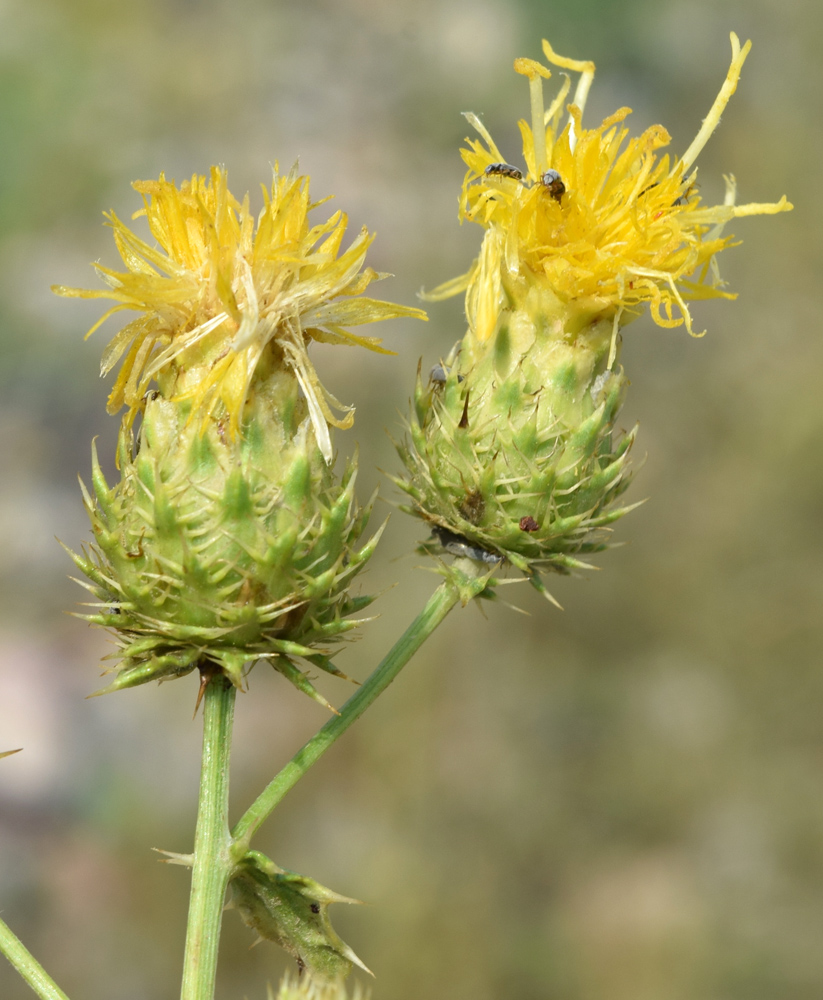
(622, 801)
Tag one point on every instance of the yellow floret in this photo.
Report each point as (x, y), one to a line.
(600, 219)
(216, 291)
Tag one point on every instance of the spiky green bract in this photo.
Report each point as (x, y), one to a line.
(513, 454)
(215, 551)
(291, 910)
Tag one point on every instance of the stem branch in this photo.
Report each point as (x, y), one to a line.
(28, 966)
(463, 583)
(212, 863)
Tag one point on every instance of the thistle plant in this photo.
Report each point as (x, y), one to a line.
(228, 538)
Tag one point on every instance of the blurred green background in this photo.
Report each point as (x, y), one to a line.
(621, 801)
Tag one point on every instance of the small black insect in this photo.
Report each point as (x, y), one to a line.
(552, 182)
(315, 907)
(504, 170)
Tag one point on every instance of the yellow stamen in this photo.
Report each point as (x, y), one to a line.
(536, 74)
(712, 119)
(552, 116)
(584, 67)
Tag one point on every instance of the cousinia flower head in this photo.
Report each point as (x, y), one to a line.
(229, 538)
(512, 453)
(217, 290)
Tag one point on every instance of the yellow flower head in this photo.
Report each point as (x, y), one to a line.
(217, 290)
(604, 223)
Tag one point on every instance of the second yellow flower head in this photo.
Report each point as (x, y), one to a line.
(514, 452)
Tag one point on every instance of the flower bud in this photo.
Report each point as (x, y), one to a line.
(291, 910)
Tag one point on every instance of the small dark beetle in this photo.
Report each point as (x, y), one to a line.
(553, 184)
(504, 170)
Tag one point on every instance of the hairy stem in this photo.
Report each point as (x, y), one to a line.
(212, 863)
(28, 966)
(464, 582)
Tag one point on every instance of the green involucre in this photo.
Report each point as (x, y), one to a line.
(512, 446)
(218, 552)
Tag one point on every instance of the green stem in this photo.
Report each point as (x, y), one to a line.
(212, 863)
(28, 966)
(463, 583)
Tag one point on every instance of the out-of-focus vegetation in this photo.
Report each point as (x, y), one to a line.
(622, 801)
